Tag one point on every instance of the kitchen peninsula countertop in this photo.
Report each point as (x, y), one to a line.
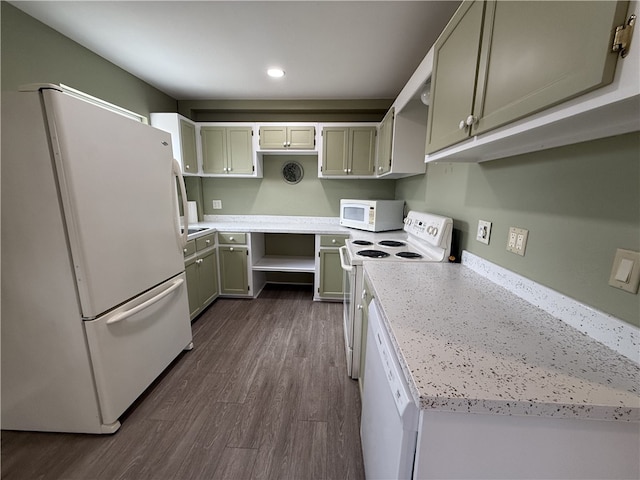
(467, 344)
(274, 224)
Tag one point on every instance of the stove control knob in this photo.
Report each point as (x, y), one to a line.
(435, 231)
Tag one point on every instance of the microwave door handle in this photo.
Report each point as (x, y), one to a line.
(343, 262)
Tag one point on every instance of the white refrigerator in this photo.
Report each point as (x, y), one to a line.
(94, 299)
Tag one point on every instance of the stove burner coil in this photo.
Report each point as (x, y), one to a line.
(362, 242)
(391, 243)
(373, 253)
(408, 255)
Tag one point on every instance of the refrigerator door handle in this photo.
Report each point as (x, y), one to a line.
(127, 313)
(183, 192)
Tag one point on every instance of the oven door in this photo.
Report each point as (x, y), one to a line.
(352, 275)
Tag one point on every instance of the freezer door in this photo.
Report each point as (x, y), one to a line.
(133, 344)
(119, 199)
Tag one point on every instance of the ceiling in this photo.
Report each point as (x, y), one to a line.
(222, 49)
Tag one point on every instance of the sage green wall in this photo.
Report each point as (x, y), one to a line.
(579, 203)
(271, 195)
(34, 53)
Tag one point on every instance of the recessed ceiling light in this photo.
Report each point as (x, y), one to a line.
(275, 72)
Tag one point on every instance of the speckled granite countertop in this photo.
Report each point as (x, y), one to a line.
(467, 344)
(275, 224)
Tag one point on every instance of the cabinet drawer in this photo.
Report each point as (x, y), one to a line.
(190, 248)
(205, 241)
(232, 238)
(332, 240)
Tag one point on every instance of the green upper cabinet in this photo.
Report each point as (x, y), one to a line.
(385, 143)
(455, 62)
(227, 150)
(283, 137)
(183, 138)
(497, 62)
(188, 144)
(348, 151)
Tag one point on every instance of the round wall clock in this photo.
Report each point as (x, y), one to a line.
(292, 172)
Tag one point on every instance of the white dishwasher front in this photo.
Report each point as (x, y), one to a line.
(389, 421)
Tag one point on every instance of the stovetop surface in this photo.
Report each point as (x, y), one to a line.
(425, 238)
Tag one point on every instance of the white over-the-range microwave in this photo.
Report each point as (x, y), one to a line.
(372, 215)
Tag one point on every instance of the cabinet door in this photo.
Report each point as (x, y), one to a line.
(239, 150)
(335, 143)
(214, 149)
(208, 277)
(362, 150)
(233, 271)
(537, 54)
(191, 269)
(385, 143)
(273, 137)
(188, 146)
(301, 138)
(330, 274)
(455, 61)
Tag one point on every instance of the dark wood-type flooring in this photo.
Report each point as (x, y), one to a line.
(264, 394)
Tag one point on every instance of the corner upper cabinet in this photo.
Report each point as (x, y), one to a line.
(228, 150)
(287, 137)
(183, 138)
(497, 62)
(348, 151)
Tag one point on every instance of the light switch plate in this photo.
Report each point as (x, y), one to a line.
(217, 204)
(625, 273)
(517, 240)
(484, 231)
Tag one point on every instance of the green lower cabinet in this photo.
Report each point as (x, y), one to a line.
(202, 281)
(233, 271)
(191, 269)
(208, 281)
(331, 274)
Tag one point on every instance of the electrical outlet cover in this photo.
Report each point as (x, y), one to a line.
(517, 240)
(484, 231)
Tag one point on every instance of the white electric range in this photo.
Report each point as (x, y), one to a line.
(425, 237)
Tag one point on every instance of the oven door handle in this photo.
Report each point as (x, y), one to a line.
(343, 260)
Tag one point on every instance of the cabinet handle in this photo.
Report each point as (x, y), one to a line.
(345, 170)
(471, 120)
(199, 261)
(462, 125)
(359, 307)
(231, 239)
(184, 250)
(349, 170)
(380, 168)
(207, 241)
(186, 167)
(333, 240)
(288, 144)
(284, 144)
(229, 169)
(231, 249)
